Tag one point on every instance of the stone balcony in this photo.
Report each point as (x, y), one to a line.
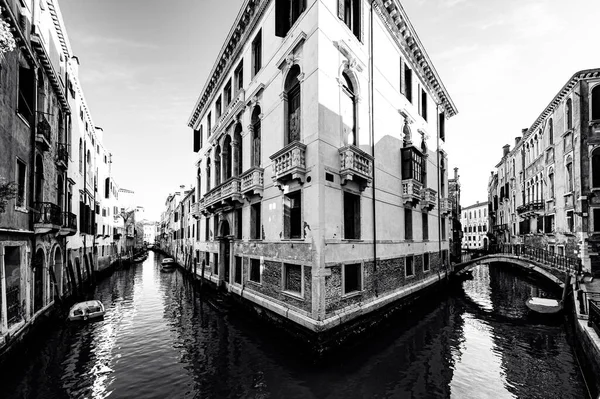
(212, 198)
(197, 208)
(428, 198)
(289, 164)
(230, 191)
(355, 165)
(411, 191)
(252, 182)
(69, 224)
(445, 206)
(532, 209)
(47, 217)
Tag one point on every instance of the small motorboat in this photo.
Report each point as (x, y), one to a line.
(168, 264)
(140, 258)
(544, 305)
(86, 310)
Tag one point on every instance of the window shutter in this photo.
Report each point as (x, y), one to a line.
(196, 141)
(282, 14)
(341, 9)
(287, 217)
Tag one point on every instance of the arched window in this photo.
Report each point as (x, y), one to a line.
(550, 132)
(208, 165)
(217, 165)
(348, 111)
(80, 156)
(89, 158)
(238, 166)
(551, 182)
(227, 157)
(596, 166)
(537, 191)
(569, 114)
(569, 168)
(199, 183)
(256, 137)
(292, 108)
(596, 103)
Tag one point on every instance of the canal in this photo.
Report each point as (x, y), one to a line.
(160, 340)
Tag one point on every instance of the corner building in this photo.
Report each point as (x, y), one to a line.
(545, 192)
(316, 200)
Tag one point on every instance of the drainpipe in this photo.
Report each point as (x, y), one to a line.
(439, 184)
(371, 128)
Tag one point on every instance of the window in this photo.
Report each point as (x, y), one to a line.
(292, 215)
(257, 53)
(443, 227)
(408, 229)
(352, 277)
(568, 142)
(351, 216)
(218, 108)
(423, 104)
(238, 218)
(550, 131)
(348, 111)
(596, 216)
(206, 229)
(238, 77)
(569, 176)
(349, 11)
(569, 114)
(208, 125)
(21, 181)
(551, 182)
(237, 277)
(442, 129)
(287, 13)
(292, 105)
(595, 103)
(570, 221)
(412, 164)
(255, 221)
(292, 278)
(425, 222)
(408, 83)
(216, 264)
(80, 156)
(548, 224)
(410, 267)
(227, 93)
(426, 265)
(198, 139)
(25, 103)
(596, 166)
(256, 137)
(255, 270)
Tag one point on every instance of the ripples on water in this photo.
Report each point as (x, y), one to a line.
(159, 340)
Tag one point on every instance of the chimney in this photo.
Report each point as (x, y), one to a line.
(455, 173)
(517, 140)
(505, 150)
(524, 131)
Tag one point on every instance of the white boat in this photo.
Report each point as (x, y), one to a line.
(86, 310)
(168, 261)
(544, 305)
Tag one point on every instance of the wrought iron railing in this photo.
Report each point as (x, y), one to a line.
(70, 220)
(594, 315)
(47, 213)
(62, 153)
(43, 127)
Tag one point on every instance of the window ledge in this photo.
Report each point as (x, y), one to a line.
(293, 239)
(352, 294)
(427, 271)
(23, 119)
(567, 194)
(292, 294)
(254, 283)
(352, 240)
(21, 209)
(411, 276)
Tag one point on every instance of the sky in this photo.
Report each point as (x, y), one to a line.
(144, 63)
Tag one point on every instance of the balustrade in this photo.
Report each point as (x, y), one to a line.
(252, 181)
(355, 165)
(289, 163)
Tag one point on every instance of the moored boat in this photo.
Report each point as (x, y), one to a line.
(93, 309)
(544, 305)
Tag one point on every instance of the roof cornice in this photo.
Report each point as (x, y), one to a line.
(59, 25)
(403, 31)
(244, 24)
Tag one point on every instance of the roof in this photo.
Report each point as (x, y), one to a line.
(477, 205)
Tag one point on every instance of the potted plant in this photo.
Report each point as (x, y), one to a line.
(7, 40)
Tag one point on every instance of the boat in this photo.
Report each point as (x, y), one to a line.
(140, 258)
(168, 264)
(87, 310)
(544, 305)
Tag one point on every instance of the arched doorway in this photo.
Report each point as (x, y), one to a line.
(38, 281)
(485, 243)
(56, 274)
(224, 249)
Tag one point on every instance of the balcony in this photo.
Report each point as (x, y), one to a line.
(411, 191)
(69, 224)
(47, 217)
(62, 155)
(499, 228)
(428, 198)
(212, 198)
(532, 209)
(43, 136)
(355, 165)
(196, 209)
(289, 164)
(445, 206)
(252, 182)
(230, 191)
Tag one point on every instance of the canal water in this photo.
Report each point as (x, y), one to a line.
(160, 340)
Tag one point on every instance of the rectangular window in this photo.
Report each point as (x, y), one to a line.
(206, 229)
(197, 140)
(596, 216)
(426, 265)
(443, 227)
(257, 53)
(412, 164)
(208, 125)
(349, 11)
(410, 266)
(216, 233)
(238, 219)
(25, 103)
(425, 220)
(423, 104)
(239, 77)
(292, 278)
(287, 13)
(12, 273)
(568, 142)
(442, 127)
(408, 229)
(255, 221)
(21, 181)
(227, 93)
(216, 264)
(352, 278)
(218, 108)
(351, 216)
(408, 83)
(549, 224)
(237, 278)
(292, 215)
(570, 221)
(255, 270)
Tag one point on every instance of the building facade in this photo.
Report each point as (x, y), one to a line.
(475, 224)
(545, 192)
(315, 200)
(455, 219)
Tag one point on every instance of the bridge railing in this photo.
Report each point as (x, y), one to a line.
(560, 262)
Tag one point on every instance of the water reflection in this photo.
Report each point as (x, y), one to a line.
(160, 339)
